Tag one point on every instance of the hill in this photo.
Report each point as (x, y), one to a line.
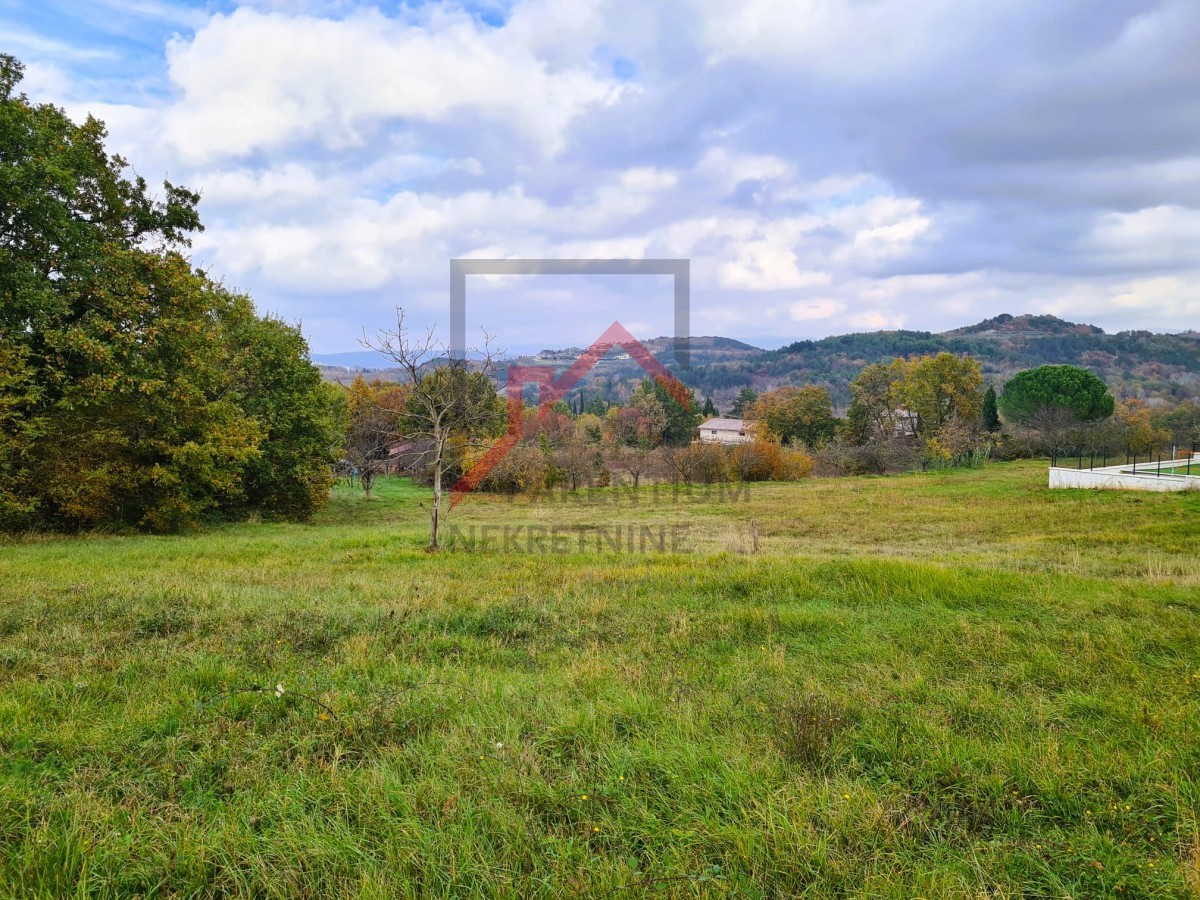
(1154, 367)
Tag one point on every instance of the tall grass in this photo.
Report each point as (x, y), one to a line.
(946, 684)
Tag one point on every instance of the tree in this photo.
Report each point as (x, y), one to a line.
(1183, 422)
(575, 461)
(877, 395)
(709, 409)
(590, 428)
(990, 417)
(641, 423)
(794, 414)
(374, 413)
(745, 397)
(938, 388)
(1042, 391)
(135, 391)
(1135, 429)
(697, 462)
(451, 406)
(635, 461)
(679, 403)
(303, 418)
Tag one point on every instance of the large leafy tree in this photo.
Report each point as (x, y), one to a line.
(877, 397)
(1055, 390)
(791, 413)
(943, 387)
(134, 390)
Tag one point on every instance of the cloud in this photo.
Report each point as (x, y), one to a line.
(256, 82)
(813, 310)
(826, 164)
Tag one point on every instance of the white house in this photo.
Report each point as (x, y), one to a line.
(725, 431)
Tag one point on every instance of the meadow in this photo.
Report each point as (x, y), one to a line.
(949, 684)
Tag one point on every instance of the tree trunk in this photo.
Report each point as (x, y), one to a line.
(436, 507)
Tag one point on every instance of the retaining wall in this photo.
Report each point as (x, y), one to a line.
(1113, 478)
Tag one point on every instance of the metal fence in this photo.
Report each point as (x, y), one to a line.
(1152, 463)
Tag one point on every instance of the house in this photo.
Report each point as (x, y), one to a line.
(904, 422)
(725, 431)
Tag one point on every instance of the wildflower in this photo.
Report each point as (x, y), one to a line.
(583, 797)
(499, 746)
(596, 829)
(279, 691)
(622, 778)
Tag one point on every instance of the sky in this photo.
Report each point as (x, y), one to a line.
(827, 166)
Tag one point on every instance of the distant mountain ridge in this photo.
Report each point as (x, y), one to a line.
(1156, 367)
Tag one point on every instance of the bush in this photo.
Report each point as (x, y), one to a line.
(756, 461)
(873, 458)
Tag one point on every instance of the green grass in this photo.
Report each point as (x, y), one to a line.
(952, 684)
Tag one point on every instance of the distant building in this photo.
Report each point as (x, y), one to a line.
(725, 431)
(904, 422)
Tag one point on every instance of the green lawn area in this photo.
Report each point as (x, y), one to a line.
(951, 684)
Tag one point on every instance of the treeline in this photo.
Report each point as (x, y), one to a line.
(926, 411)
(1137, 363)
(649, 438)
(135, 390)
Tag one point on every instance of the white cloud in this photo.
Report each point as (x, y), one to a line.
(1164, 236)
(825, 164)
(815, 310)
(252, 81)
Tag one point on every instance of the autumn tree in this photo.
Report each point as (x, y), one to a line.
(939, 388)
(877, 396)
(790, 414)
(640, 424)
(375, 411)
(634, 461)
(679, 403)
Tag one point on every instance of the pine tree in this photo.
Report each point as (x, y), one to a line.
(990, 415)
(709, 409)
(746, 396)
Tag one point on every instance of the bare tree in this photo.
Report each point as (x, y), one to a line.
(635, 461)
(452, 402)
(576, 461)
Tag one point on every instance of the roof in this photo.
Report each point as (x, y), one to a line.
(724, 424)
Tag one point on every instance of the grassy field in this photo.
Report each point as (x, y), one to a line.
(954, 684)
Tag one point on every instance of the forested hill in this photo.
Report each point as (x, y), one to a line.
(1134, 363)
